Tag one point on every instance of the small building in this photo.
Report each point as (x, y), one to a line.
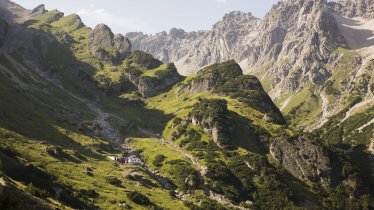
(130, 160)
(134, 160)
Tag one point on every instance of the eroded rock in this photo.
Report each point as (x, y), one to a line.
(302, 158)
(106, 46)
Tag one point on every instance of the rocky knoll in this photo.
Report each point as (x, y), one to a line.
(161, 81)
(227, 79)
(150, 75)
(106, 46)
(302, 158)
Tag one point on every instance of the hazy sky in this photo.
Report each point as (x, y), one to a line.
(151, 16)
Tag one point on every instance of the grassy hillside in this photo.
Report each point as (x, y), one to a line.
(204, 139)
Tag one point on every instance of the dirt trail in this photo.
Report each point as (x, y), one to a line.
(285, 103)
(371, 147)
(355, 108)
(2, 184)
(103, 119)
(360, 129)
(325, 110)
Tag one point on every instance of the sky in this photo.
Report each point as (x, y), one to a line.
(152, 16)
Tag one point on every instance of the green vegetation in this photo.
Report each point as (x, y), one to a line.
(210, 133)
(159, 159)
(143, 59)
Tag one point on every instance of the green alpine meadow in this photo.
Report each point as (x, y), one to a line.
(266, 113)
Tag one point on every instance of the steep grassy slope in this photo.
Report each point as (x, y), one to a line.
(35, 122)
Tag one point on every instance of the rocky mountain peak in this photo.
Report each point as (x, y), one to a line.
(39, 10)
(12, 12)
(73, 21)
(101, 36)
(107, 46)
(177, 33)
(237, 16)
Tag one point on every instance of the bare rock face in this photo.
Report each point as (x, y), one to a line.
(302, 158)
(107, 46)
(354, 8)
(194, 50)
(12, 12)
(39, 10)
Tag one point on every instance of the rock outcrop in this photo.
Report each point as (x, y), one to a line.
(12, 12)
(302, 158)
(227, 79)
(214, 117)
(150, 86)
(106, 46)
(39, 10)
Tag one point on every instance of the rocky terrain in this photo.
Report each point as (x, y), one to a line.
(302, 158)
(290, 50)
(101, 41)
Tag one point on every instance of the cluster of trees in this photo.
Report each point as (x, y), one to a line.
(143, 59)
(213, 114)
(184, 176)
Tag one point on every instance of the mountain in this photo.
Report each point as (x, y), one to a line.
(87, 121)
(299, 50)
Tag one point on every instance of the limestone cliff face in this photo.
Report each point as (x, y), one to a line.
(292, 44)
(302, 158)
(194, 50)
(106, 46)
(354, 8)
(289, 50)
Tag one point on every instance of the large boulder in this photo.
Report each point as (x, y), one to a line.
(302, 158)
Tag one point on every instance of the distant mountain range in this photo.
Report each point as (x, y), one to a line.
(299, 49)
